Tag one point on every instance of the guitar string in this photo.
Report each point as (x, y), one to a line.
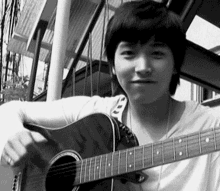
(77, 164)
(42, 178)
(156, 145)
(167, 129)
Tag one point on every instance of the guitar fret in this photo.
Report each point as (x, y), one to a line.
(180, 148)
(95, 168)
(138, 158)
(174, 150)
(103, 165)
(217, 139)
(167, 150)
(157, 153)
(115, 166)
(152, 153)
(126, 164)
(92, 168)
(213, 129)
(81, 171)
(119, 154)
(89, 168)
(187, 154)
(208, 142)
(130, 163)
(134, 158)
(193, 149)
(112, 166)
(85, 170)
(162, 150)
(100, 167)
(143, 148)
(108, 165)
(200, 146)
(128, 160)
(122, 161)
(147, 156)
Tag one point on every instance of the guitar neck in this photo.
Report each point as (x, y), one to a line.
(147, 156)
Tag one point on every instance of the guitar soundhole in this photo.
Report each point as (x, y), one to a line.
(61, 174)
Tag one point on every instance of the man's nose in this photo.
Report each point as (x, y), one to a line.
(143, 65)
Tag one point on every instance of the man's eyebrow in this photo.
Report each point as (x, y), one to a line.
(158, 44)
(124, 44)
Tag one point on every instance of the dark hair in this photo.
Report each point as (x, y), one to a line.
(138, 21)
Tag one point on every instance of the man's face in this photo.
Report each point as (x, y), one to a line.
(144, 71)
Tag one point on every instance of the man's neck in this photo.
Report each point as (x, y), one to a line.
(153, 113)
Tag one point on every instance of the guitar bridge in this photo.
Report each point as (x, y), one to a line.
(16, 181)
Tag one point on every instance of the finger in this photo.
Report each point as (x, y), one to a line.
(11, 152)
(34, 153)
(4, 159)
(39, 138)
(19, 145)
(43, 132)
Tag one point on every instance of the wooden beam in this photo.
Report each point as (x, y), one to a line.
(45, 13)
(46, 46)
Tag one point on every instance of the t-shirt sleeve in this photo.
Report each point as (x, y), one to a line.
(78, 107)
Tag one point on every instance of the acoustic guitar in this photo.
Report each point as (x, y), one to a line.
(97, 151)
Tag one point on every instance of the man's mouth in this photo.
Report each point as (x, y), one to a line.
(147, 81)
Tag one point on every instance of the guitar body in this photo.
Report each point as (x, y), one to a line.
(91, 136)
(99, 153)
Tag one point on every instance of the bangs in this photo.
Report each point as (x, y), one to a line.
(139, 24)
(136, 31)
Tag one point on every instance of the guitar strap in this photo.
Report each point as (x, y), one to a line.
(118, 110)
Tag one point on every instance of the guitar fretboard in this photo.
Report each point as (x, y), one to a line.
(147, 156)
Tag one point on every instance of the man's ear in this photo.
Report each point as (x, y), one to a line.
(113, 70)
(174, 71)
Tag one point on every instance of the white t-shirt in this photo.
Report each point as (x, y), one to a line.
(196, 174)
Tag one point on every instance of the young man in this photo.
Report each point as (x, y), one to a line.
(145, 45)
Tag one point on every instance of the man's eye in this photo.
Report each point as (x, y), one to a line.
(158, 54)
(127, 53)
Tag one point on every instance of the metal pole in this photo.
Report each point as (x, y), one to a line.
(35, 64)
(58, 50)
